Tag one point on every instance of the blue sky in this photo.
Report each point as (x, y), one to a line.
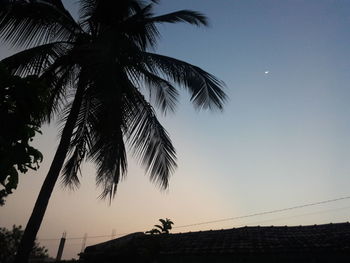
(282, 139)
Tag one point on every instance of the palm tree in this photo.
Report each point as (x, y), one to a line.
(161, 229)
(98, 71)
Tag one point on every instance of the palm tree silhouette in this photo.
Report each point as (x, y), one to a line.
(166, 225)
(98, 71)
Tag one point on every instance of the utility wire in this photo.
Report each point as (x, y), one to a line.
(288, 217)
(75, 238)
(264, 213)
(220, 220)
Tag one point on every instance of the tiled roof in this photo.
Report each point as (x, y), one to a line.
(244, 240)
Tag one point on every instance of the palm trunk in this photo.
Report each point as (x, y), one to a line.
(42, 201)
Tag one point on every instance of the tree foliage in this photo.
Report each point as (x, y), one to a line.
(109, 55)
(166, 225)
(103, 78)
(22, 106)
(9, 241)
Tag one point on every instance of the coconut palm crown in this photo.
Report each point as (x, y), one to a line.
(99, 71)
(106, 55)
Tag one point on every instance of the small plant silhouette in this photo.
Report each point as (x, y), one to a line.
(161, 229)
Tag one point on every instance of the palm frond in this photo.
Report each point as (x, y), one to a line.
(26, 24)
(149, 140)
(53, 64)
(60, 77)
(33, 61)
(187, 16)
(80, 144)
(87, 8)
(71, 168)
(142, 33)
(107, 149)
(160, 227)
(206, 90)
(161, 91)
(108, 11)
(108, 153)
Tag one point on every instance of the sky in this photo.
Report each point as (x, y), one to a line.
(282, 139)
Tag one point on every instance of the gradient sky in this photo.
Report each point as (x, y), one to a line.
(282, 140)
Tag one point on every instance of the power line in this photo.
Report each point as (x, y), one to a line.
(288, 217)
(75, 238)
(264, 213)
(218, 220)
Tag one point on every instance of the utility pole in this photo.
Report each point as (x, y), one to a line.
(84, 243)
(113, 234)
(61, 246)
